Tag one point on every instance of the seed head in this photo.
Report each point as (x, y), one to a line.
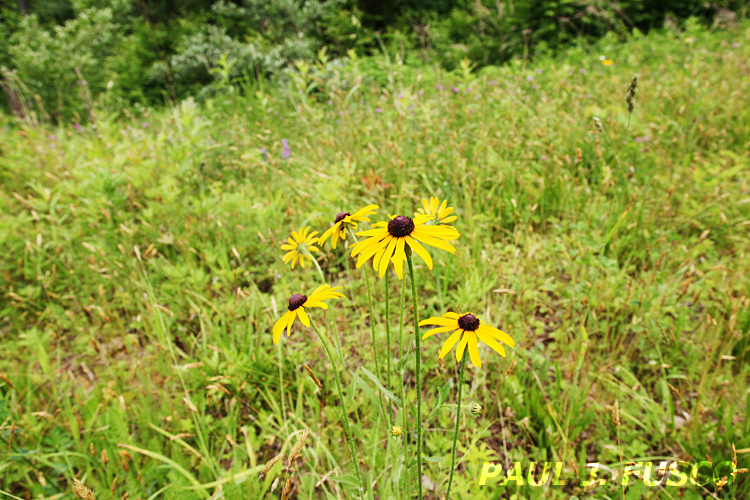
(616, 414)
(631, 93)
(296, 301)
(400, 226)
(598, 124)
(340, 216)
(287, 491)
(468, 322)
(297, 449)
(80, 491)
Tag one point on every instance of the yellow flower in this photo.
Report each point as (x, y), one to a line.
(344, 219)
(396, 431)
(440, 213)
(299, 247)
(297, 305)
(389, 241)
(607, 62)
(468, 328)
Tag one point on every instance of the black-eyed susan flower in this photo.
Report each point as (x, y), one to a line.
(343, 221)
(440, 213)
(299, 246)
(297, 305)
(468, 329)
(388, 242)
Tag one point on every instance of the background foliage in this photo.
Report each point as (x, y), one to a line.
(147, 51)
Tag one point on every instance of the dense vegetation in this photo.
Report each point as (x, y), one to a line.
(141, 271)
(61, 55)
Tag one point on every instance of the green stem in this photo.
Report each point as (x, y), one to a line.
(455, 433)
(415, 302)
(387, 344)
(372, 320)
(404, 404)
(345, 416)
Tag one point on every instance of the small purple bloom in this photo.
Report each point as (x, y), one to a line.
(52, 137)
(735, 45)
(77, 126)
(378, 110)
(491, 82)
(455, 89)
(544, 158)
(646, 139)
(439, 87)
(638, 139)
(411, 107)
(588, 96)
(582, 71)
(468, 91)
(285, 144)
(341, 113)
(145, 125)
(401, 96)
(530, 78)
(263, 152)
(330, 102)
(534, 86)
(539, 72)
(420, 93)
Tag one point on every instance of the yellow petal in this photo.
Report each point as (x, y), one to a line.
(434, 242)
(462, 347)
(455, 337)
(494, 344)
(441, 329)
(387, 256)
(399, 256)
(303, 317)
(439, 321)
(496, 334)
(419, 250)
(474, 350)
(281, 323)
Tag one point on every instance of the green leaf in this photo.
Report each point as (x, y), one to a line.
(402, 362)
(434, 460)
(376, 381)
(443, 393)
(347, 479)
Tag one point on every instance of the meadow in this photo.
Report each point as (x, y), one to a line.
(142, 275)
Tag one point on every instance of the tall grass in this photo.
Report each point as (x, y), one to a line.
(141, 275)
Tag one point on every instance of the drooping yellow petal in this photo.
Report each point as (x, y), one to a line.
(455, 337)
(434, 242)
(462, 347)
(473, 349)
(445, 232)
(494, 344)
(419, 250)
(372, 250)
(281, 323)
(496, 334)
(383, 266)
(399, 256)
(290, 322)
(303, 317)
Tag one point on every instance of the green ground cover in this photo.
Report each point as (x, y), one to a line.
(141, 275)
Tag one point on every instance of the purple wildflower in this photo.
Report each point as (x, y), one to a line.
(285, 144)
(439, 87)
(145, 125)
(530, 78)
(264, 153)
(539, 71)
(378, 110)
(330, 102)
(401, 96)
(420, 93)
(582, 71)
(544, 158)
(77, 126)
(455, 89)
(411, 107)
(735, 45)
(491, 82)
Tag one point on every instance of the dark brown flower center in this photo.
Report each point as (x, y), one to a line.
(340, 216)
(400, 226)
(296, 301)
(467, 322)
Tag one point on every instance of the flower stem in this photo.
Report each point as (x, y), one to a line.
(418, 353)
(345, 415)
(387, 343)
(405, 406)
(455, 433)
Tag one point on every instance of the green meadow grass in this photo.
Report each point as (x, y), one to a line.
(141, 276)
